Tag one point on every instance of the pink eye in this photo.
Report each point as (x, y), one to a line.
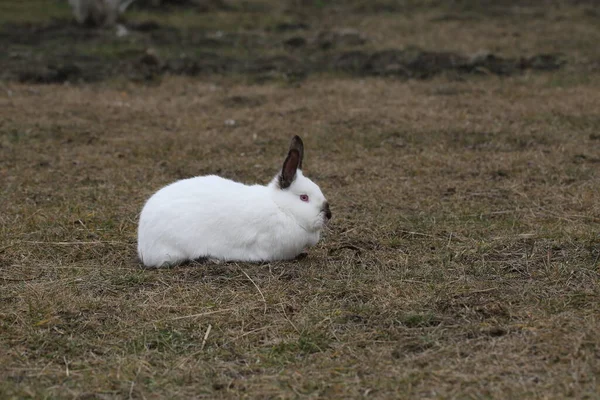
(304, 197)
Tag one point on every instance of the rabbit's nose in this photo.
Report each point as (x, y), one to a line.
(327, 210)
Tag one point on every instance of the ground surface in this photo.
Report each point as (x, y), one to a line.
(459, 146)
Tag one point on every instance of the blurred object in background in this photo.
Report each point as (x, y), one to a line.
(95, 13)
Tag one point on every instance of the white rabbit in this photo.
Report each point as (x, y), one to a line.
(213, 217)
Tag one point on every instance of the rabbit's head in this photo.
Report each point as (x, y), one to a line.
(298, 196)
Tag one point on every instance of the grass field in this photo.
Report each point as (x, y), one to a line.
(463, 258)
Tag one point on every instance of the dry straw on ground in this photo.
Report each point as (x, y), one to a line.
(462, 260)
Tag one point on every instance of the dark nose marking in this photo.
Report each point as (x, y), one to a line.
(327, 210)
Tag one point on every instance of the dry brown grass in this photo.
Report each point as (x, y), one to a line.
(462, 260)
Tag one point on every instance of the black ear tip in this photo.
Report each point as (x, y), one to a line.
(297, 139)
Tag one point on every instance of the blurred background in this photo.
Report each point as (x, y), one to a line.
(90, 40)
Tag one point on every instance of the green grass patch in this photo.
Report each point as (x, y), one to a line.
(33, 11)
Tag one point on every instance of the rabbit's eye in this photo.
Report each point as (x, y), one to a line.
(304, 197)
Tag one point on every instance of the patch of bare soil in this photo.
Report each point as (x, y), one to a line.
(63, 51)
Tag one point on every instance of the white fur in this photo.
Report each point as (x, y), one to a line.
(209, 216)
(99, 12)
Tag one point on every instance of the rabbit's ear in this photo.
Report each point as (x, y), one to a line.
(297, 144)
(290, 165)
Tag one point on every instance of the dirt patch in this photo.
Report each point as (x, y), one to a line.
(421, 64)
(77, 54)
